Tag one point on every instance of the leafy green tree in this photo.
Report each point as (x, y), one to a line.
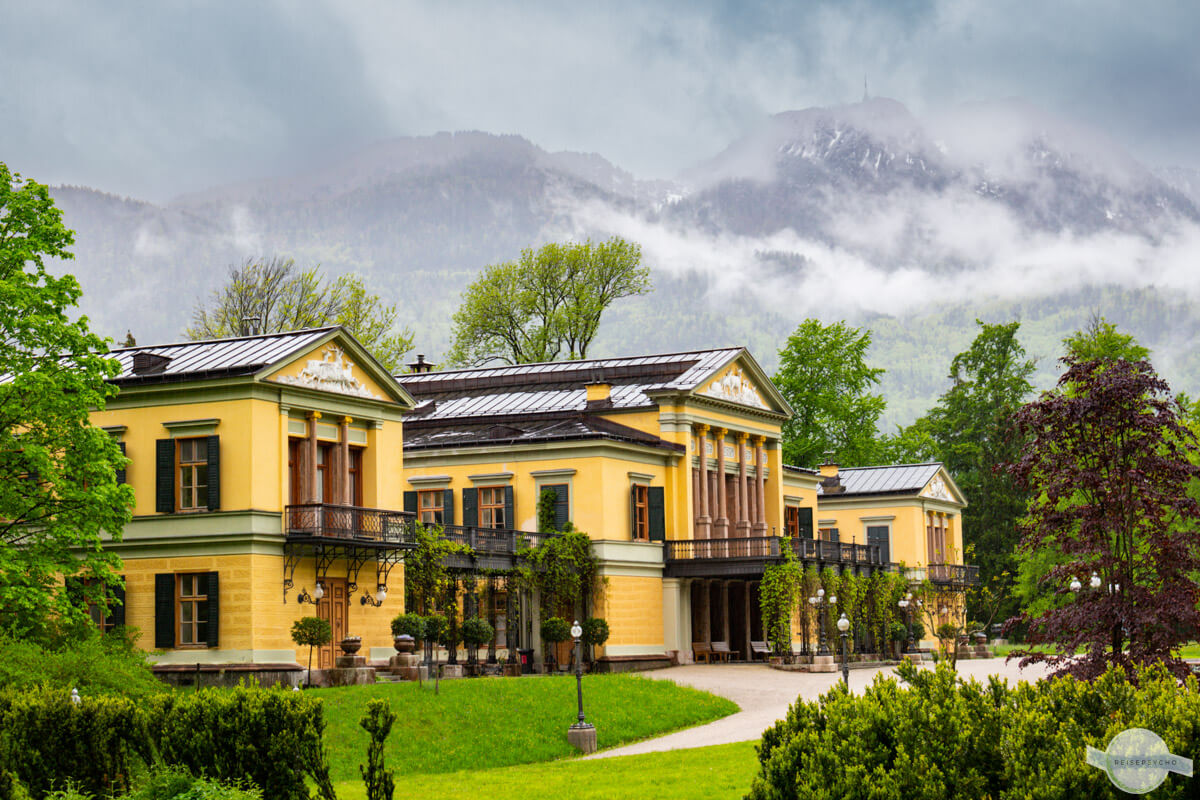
(271, 296)
(823, 373)
(973, 425)
(311, 632)
(379, 780)
(547, 304)
(1102, 340)
(59, 496)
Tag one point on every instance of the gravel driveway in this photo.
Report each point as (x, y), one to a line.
(764, 694)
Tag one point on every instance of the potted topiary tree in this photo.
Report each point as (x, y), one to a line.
(595, 633)
(407, 630)
(476, 633)
(554, 630)
(311, 632)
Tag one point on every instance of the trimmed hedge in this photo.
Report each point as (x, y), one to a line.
(268, 737)
(942, 737)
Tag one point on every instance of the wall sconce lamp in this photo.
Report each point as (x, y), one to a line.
(377, 600)
(314, 598)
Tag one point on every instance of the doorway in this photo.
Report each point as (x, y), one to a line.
(334, 607)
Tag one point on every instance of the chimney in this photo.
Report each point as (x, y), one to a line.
(599, 395)
(149, 363)
(420, 366)
(831, 483)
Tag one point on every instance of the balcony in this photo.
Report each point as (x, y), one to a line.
(317, 522)
(493, 548)
(749, 556)
(956, 575)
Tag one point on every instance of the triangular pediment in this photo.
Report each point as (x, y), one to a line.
(743, 382)
(942, 487)
(338, 364)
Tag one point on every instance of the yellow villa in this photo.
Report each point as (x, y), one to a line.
(280, 476)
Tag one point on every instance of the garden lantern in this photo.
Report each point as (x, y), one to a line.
(843, 625)
(582, 734)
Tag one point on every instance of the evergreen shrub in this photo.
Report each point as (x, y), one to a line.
(945, 738)
(409, 625)
(91, 663)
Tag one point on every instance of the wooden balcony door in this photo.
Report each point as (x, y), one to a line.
(334, 606)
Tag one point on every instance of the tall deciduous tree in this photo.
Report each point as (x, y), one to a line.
(547, 304)
(58, 489)
(823, 373)
(1109, 464)
(272, 295)
(974, 427)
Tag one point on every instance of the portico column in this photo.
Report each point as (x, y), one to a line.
(310, 448)
(703, 520)
(743, 515)
(760, 487)
(721, 524)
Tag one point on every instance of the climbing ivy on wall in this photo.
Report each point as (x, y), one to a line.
(779, 594)
(564, 570)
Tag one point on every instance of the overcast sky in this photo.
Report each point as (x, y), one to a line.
(152, 99)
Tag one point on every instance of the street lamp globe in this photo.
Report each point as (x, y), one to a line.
(381, 594)
(904, 603)
(1076, 585)
(319, 592)
(833, 599)
(820, 592)
(576, 630)
(843, 623)
(1095, 581)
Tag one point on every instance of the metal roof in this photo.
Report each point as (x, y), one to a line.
(243, 355)
(557, 386)
(527, 430)
(889, 479)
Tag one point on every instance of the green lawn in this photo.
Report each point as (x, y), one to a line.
(481, 724)
(706, 773)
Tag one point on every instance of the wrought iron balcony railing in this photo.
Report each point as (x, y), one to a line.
(953, 574)
(350, 523)
(494, 541)
(768, 547)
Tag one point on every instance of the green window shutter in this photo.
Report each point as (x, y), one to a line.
(806, 523)
(633, 512)
(562, 505)
(509, 517)
(116, 606)
(164, 480)
(164, 610)
(211, 586)
(121, 470)
(447, 506)
(878, 535)
(658, 514)
(833, 535)
(214, 473)
(470, 507)
(410, 502)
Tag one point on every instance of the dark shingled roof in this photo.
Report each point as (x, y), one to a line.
(527, 429)
(214, 358)
(891, 479)
(556, 387)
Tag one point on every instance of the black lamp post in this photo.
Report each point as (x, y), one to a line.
(821, 603)
(582, 734)
(908, 603)
(843, 625)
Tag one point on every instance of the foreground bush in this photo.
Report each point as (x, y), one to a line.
(269, 738)
(942, 737)
(92, 663)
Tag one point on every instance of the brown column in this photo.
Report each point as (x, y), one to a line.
(725, 612)
(721, 523)
(310, 447)
(743, 512)
(343, 467)
(760, 486)
(703, 520)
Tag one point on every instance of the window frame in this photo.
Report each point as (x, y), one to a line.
(354, 474)
(641, 513)
(181, 465)
(199, 642)
(791, 521)
(480, 506)
(437, 511)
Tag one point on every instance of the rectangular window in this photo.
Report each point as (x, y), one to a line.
(356, 482)
(430, 507)
(324, 485)
(791, 521)
(827, 534)
(641, 512)
(192, 604)
(491, 507)
(193, 474)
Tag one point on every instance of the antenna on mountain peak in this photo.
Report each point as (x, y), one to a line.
(866, 95)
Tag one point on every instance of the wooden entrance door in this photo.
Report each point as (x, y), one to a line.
(334, 606)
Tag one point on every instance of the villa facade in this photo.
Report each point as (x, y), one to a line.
(265, 467)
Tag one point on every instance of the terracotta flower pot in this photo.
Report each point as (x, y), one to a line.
(350, 646)
(404, 643)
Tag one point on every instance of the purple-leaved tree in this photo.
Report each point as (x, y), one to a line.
(1107, 462)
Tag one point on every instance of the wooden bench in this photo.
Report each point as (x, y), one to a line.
(701, 652)
(759, 649)
(721, 650)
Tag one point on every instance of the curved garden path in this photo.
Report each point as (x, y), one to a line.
(764, 694)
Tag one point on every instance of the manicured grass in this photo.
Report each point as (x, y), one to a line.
(484, 723)
(705, 773)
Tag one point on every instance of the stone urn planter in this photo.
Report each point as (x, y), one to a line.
(350, 645)
(404, 644)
